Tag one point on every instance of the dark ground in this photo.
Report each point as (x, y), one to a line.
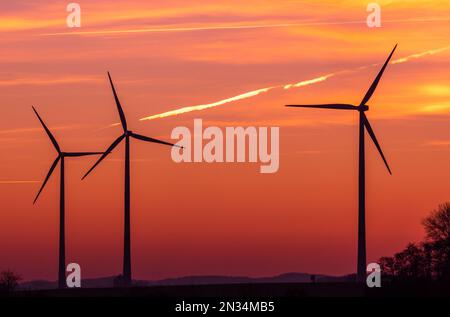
(288, 299)
(259, 290)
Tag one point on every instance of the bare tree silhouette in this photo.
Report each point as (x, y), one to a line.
(427, 260)
(9, 281)
(437, 242)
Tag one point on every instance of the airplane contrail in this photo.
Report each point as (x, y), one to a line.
(303, 83)
(419, 55)
(239, 27)
(245, 95)
(210, 105)
(310, 81)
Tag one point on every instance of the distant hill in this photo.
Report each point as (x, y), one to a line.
(107, 282)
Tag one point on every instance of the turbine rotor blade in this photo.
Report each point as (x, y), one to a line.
(374, 139)
(119, 107)
(50, 135)
(339, 106)
(105, 154)
(148, 139)
(77, 154)
(377, 79)
(47, 178)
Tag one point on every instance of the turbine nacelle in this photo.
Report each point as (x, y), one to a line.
(126, 133)
(363, 107)
(61, 154)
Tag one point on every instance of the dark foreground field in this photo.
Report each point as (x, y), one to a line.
(244, 291)
(283, 298)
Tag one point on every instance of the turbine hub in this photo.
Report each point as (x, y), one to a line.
(365, 107)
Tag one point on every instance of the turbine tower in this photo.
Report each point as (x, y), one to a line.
(127, 134)
(363, 124)
(60, 158)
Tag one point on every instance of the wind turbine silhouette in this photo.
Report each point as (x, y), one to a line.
(126, 135)
(60, 158)
(363, 123)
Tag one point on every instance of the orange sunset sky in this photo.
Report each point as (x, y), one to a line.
(190, 219)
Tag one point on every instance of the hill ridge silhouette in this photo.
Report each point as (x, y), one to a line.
(108, 281)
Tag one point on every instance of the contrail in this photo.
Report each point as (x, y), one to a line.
(310, 81)
(240, 27)
(210, 105)
(303, 83)
(419, 55)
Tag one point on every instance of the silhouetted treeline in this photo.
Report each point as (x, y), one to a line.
(8, 281)
(428, 260)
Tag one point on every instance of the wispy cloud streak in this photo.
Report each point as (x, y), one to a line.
(47, 81)
(18, 182)
(239, 27)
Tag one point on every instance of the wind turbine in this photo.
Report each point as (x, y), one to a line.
(127, 134)
(60, 158)
(363, 123)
